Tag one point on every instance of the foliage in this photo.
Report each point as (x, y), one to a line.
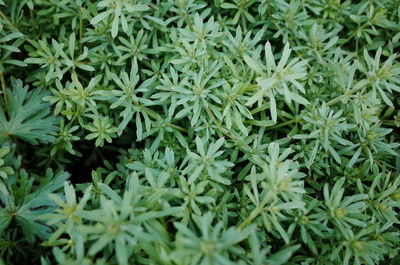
(28, 116)
(199, 132)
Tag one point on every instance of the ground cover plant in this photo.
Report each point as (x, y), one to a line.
(199, 132)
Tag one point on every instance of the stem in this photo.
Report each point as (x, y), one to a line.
(389, 122)
(188, 21)
(31, 13)
(186, 17)
(283, 124)
(7, 19)
(244, 147)
(256, 211)
(155, 116)
(4, 16)
(346, 94)
(353, 34)
(290, 43)
(154, 6)
(218, 124)
(179, 128)
(80, 29)
(4, 87)
(244, 26)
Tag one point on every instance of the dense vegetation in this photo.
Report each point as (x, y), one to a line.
(199, 132)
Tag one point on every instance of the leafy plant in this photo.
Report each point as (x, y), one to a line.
(199, 132)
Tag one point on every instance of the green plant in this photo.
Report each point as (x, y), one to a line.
(199, 132)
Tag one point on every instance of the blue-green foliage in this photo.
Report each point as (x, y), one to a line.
(185, 132)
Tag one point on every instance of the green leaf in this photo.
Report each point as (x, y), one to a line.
(28, 116)
(28, 214)
(253, 64)
(100, 17)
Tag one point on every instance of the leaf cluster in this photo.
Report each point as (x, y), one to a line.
(199, 132)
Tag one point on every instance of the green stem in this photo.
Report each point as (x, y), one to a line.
(256, 211)
(4, 87)
(389, 122)
(4, 16)
(218, 124)
(283, 124)
(244, 147)
(80, 30)
(186, 17)
(244, 25)
(179, 128)
(7, 19)
(290, 43)
(353, 34)
(156, 116)
(341, 97)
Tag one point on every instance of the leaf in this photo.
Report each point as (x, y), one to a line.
(29, 116)
(100, 17)
(269, 56)
(5, 219)
(138, 8)
(114, 27)
(253, 64)
(282, 256)
(313, 154)
(38, 203)
(284, 58)
(272, 102)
